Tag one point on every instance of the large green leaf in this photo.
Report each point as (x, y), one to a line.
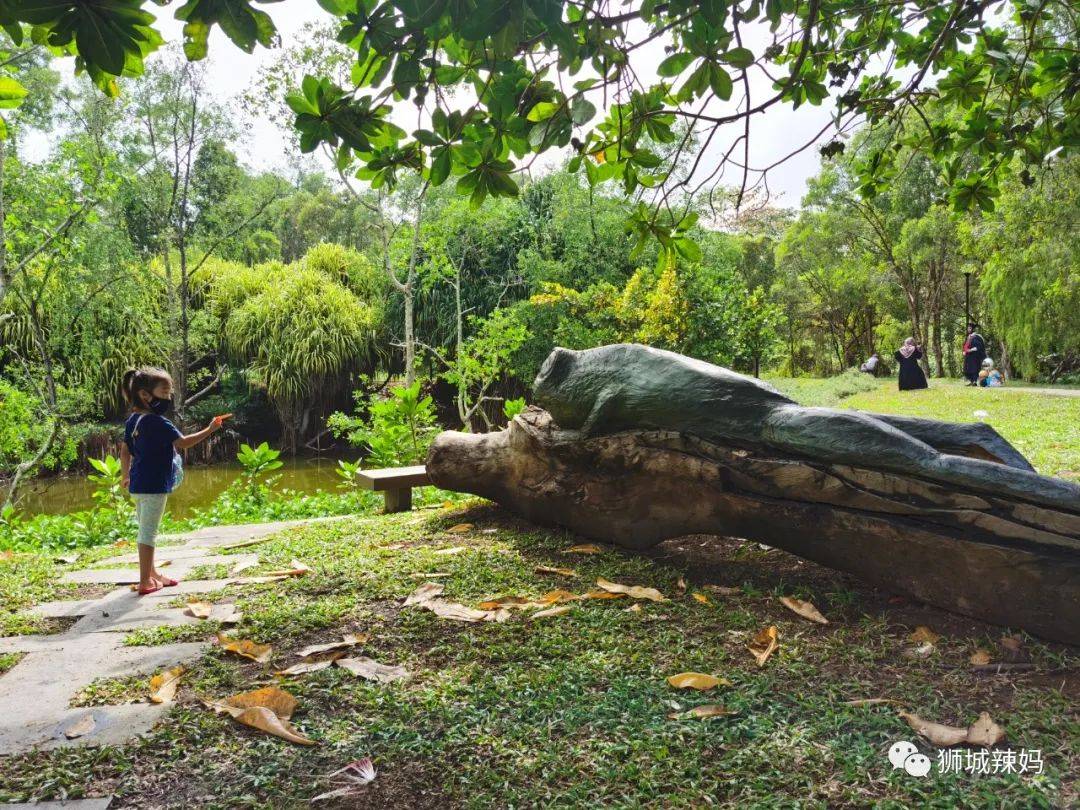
(11, 93)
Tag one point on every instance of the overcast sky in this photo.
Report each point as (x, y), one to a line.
(263, 145)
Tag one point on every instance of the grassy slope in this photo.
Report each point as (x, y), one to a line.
(1044, 427)
(572, 710)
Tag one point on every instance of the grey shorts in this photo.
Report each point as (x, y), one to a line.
(148, 511)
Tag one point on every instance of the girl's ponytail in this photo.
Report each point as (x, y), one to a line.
(146, 379)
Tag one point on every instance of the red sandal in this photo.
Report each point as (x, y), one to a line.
(168, 583)
(145, 591)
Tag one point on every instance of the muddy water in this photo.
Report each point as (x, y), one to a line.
(201, 486)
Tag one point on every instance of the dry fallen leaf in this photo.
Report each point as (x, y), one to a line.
(460, 528)
(431, 575)
(245, 648)
(348, 640)
(984, 731)
(373, 670)
(552, 597)
(246, 543)
(869, 701)
(461, 613)
(701, 712)
(680, 587)
(243, 565)
(312, 664)
(449, 552)
(1012, 650)
(267, 709)
(429, 590)
(804, 609)
(353, 776)
(558, 610)
(81, 727)
(935, 732)
(298, 570)
(980, 657)
(922, 651)
(634, 608)
(585, 548)
(164, 564)
(700, 597)
(547, 569)
(200, 610)
(163, 686)
(506, 602)
(601, 595)
(696, 680)
(633, 591)
(923, 634)
(764, 644)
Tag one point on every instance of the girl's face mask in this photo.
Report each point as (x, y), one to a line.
(160, 406)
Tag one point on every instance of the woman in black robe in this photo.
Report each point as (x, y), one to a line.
(911, 375)
(974, 354)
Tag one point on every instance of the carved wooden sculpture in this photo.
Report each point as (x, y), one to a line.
(639, 445)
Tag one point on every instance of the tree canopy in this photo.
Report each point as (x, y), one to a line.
(500, 81)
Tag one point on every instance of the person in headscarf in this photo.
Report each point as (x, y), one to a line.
(911, 374)
(974, 354)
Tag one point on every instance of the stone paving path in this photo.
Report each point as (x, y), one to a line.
(35, 694)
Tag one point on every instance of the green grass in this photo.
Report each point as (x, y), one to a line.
(113, 691)
(1044, 427)
(573, 710)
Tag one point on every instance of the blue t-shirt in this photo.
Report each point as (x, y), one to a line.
(152, 451)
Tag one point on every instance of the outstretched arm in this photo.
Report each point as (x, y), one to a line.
(192, 439)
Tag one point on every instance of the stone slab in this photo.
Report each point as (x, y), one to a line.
(67, 609)
(53, 677)
(178, 570)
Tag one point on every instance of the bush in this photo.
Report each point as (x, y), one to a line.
(398, 430)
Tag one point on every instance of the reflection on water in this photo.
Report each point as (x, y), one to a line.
(201, 486)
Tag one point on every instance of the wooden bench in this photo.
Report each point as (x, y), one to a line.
(396, 484)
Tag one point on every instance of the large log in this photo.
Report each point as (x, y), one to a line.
(995, 541)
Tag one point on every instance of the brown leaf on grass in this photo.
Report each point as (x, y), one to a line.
(200, 610)
(696, 680)
(243, 565)
(601, 595)
(372, 670)
(267, 710)
(935, 732)
(803, 608)
(246, 543)
(584, 548)
(923, 634)
(547, 569)
(348, 640)
(298, 570)
(460, 528)
(247, 649)
(634, 608)
(556, 596)
(764, 644)
(163, 686)
(431, 575)
(81, 727)
(680, 587)
(984, 731)
(461, 613)
(633, 591)
(700, 597)
(870, 701)
(701, 712)
(449, 552)
(312, 664)
(980, 657)
(427, 591)
(557, 610)
(922, 651)
(506, 602)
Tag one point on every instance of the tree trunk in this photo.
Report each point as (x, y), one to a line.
(996, 557)
(939, 355)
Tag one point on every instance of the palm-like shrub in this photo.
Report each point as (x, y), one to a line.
(299, 338)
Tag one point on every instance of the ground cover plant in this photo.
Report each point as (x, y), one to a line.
(574, 708)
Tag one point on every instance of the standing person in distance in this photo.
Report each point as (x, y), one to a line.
(974, 354)
(911, 373)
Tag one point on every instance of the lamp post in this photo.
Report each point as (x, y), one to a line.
(967, 295)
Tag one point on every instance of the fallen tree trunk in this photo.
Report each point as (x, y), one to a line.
(1003, 557)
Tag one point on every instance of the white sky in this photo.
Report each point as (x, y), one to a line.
(263, 145)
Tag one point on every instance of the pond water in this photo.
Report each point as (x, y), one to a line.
(201, 486)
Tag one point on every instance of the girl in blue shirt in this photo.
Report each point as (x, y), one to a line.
(151, 461)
